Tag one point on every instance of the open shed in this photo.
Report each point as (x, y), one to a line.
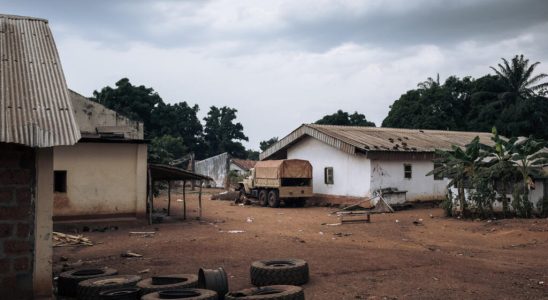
(159, 172)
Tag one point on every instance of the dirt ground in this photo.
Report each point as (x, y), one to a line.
(390, 258)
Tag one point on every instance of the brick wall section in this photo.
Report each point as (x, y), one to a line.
(17, 186)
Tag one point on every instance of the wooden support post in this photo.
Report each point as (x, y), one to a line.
(149, 197)
(200, 199)
(184, 199)
(168, 197)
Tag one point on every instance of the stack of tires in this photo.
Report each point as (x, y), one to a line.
(278, 279)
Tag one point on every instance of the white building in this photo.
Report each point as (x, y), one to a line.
(105, 174)
(353, 162)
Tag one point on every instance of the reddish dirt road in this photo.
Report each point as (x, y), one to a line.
(386, 259)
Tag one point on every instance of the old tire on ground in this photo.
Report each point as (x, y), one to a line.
(183, 294)
(132, 293)
(67, 284)
(279, 271)
(273, 199)
(168, 282)
(90, 289)
(273, 292)
(263, 197)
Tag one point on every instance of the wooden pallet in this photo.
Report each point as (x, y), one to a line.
(354, 216)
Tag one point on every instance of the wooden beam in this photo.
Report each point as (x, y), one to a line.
(200, 199)
(149, 197)
(168, 197)
(184, 199)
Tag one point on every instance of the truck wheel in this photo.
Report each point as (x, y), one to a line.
(279, 271)
(299, 202)
(273, 292)
(263, 198)
(273, 199)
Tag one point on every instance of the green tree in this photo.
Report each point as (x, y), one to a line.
(252, 154)
(518, 77)
(221, 133)
(263, 145)
(344, 118)
(178, 120)
(165, 149)
(134, 102)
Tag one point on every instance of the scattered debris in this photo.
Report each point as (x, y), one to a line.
(67, 240)
(332, 224)
(179, 200)
(130, 254)
(397, 221)
(418, 222)
(228, 195)
(63, 258)
(71, 266)
(321, 233)
(143, 233)
(235, 231)
(436, 278)
(541, 282)
(144, 271)
(341, 234)
(249, 220)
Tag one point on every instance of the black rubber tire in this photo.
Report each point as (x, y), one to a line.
(199, 294)
(279, 271)
(263, 197)
(131, 293)
(153, 284)
(273, 199)
(299, 202)
(273, 292)
(67, 283)
(90, 289)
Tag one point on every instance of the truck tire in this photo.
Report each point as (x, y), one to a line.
(273, 199)
(168, 282)
(67, 283)
(263, 198)
(299, 202)
(279, 271)
(90, 289)
(273, 292)
(182, 294)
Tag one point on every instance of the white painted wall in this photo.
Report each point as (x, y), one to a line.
(385, 174)
(102, 179)
(351, 173)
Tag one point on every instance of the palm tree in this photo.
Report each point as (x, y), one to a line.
(519, 79)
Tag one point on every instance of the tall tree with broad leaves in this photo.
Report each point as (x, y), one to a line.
(222, 133)
(344, 118)
(178, 120)
(134, 102)
(518, 78)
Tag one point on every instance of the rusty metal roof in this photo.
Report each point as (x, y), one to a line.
(35, 108)
(358, 139)
(244, 164)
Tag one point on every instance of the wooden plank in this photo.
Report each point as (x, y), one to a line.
(184, 199)
(168, 197)
(200, 199)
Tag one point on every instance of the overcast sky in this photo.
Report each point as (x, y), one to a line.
(284, 63)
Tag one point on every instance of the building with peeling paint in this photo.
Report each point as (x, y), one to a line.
(104, 175)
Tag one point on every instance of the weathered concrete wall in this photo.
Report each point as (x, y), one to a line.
(94, 118)
(17, 200)
(44, 223)
(215, 167)
(102, 180)
(390, 174)
(351, 173)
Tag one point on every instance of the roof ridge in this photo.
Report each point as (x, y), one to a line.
(373, 128)
(17, 17)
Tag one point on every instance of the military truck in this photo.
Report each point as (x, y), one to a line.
(273, 181)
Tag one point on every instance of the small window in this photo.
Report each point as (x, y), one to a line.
(60, 181)
(407, 171)
(328, 175)
(438, 176)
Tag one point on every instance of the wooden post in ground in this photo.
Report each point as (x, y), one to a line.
(200, 199)
(168, 197)
(149, 196)
(184, 199)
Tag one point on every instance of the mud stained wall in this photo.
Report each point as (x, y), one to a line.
(351, 173)
(215, 167)
(17, 219)
(387, 174)
(102, 180)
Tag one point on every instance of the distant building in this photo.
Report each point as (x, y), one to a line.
(354, 162)
(218, 168)
(36, 117)
(105, 174)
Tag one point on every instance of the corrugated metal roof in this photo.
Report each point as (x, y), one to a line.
(353, 139)
(35, 108)
(244, 164)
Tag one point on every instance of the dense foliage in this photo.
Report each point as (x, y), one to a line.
(344, 118)
(514, 100)
(175, 129)
(263, 145)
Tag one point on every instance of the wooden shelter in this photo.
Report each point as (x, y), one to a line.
(159, 172)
